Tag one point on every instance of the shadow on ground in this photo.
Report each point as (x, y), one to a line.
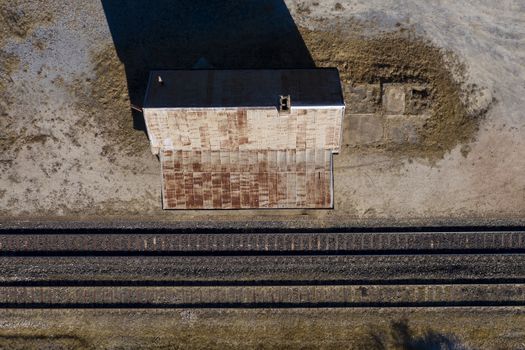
(167, 34)
(400, 336)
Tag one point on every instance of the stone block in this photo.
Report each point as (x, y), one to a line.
(363, 129)
(394, 99)
(417, 99)
(363, 98)
(403, 129)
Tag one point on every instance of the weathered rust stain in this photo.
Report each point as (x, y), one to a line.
(226, 193)
(224, 165)
(242, 124)
(235, 185)
(197, 190)
(256, 179)
(207, 192)
(230, 130)
(216, 183)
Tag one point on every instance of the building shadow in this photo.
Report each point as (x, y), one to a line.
(401, 336)
(186, 34)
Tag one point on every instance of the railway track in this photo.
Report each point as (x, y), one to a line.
(146, 268)
(184, 242)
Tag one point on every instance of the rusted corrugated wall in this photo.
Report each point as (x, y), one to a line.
(244, 129)
(247, 179)
(245, 158)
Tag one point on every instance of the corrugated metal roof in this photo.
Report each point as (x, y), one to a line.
(244, 129)
(243, 88)
(247, 179)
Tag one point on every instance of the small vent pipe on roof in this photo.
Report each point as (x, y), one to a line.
(285, 104)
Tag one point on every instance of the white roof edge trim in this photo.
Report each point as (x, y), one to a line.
(235, 108)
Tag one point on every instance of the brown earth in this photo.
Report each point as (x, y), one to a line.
(17, 22)
(360, 329)
(9, 65)
(54, 342)
(105, 102)
(401, 57)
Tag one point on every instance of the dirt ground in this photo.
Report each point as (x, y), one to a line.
(399, 57)
(370, 329)
(69, 149)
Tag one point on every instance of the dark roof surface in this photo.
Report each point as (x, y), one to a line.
(243, 88)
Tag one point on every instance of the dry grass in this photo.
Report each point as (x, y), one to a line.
(105, 100)
(400, 336)
(402, 58)
(37, 342)
(263, 329)
(17, 23)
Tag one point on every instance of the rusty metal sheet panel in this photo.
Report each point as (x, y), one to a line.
(244, 129)
(231, 148)
(260, 179)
